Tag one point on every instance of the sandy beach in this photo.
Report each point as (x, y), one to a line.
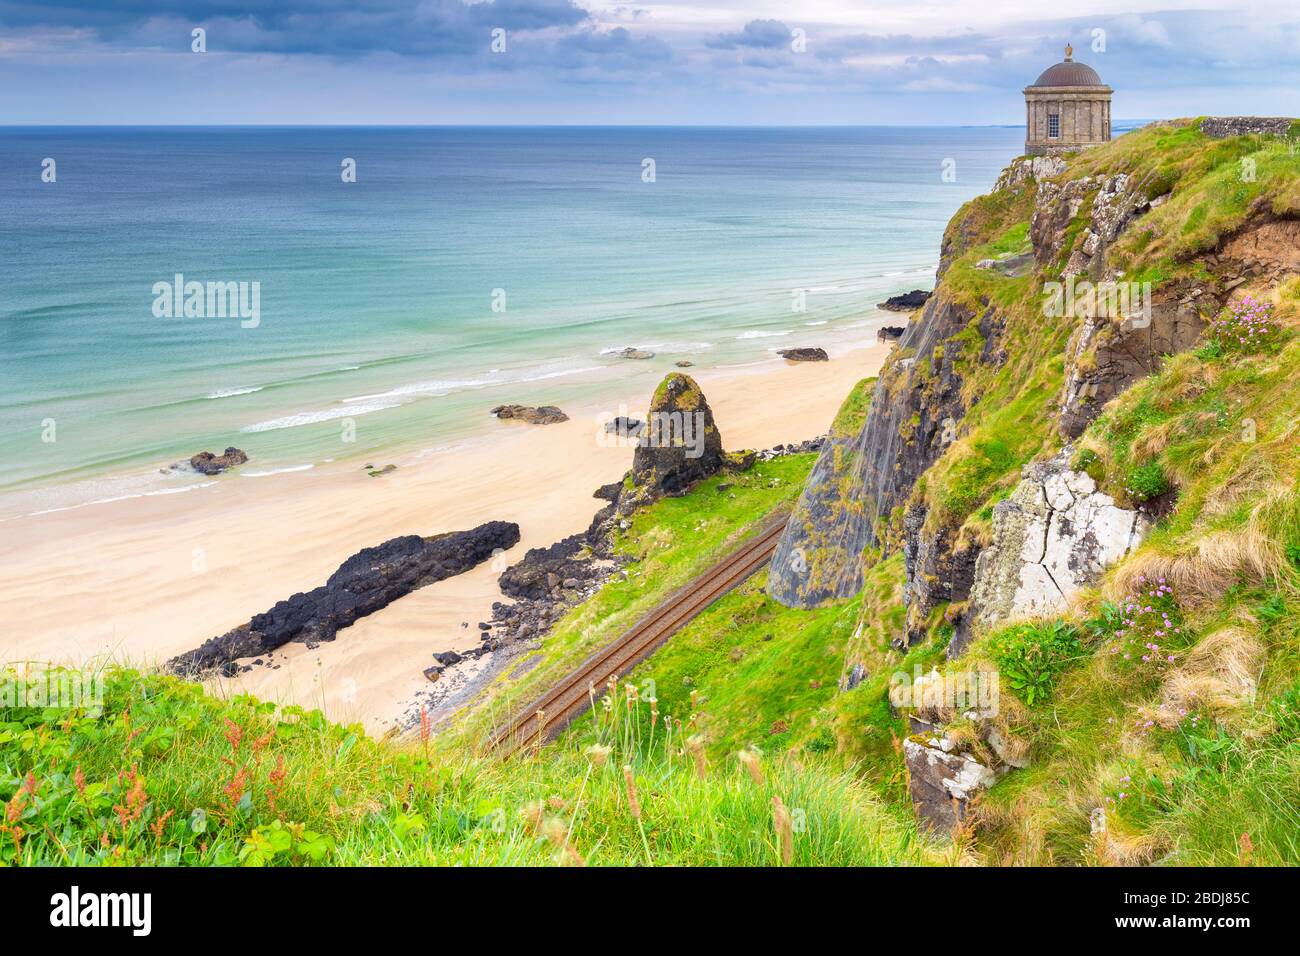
(143, 579)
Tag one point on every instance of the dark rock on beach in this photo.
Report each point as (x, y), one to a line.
(207, 463)
(804, 355)
(541, 415)
(609, 492)
(546, 583)
(890, 333)
(544, 571)
(635, 353)
(907, 302)
(366, 582)
(624, 426)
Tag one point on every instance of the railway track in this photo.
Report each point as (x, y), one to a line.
(571, 696)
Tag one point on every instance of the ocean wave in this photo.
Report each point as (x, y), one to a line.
(817, 322)
(105, 501)
(231, 392)
(671, 347)
(760, 334)
(402, 395)
(323, 415)
(423, 389)
(276, 471)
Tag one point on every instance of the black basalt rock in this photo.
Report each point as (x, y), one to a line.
(366, 582)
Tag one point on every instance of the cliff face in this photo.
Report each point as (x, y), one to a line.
(860, 479)
(1000, 366)
(1115, 338)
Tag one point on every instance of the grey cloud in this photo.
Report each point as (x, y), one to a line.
(324, 27)
(756, 34)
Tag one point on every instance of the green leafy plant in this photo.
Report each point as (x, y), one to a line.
(1030, 657)
(1146, 482)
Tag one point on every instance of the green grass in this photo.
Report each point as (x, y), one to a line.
(667, 544)
(764, 673)
(168, 776)
(853, 412)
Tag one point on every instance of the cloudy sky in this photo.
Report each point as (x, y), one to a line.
(664, 61)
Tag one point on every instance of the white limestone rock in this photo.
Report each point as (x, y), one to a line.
(1029, 169)
(1055, 535)
(942, 780)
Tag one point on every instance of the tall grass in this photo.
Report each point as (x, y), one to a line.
(166, 775)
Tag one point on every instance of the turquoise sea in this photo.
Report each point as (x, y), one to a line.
(465, 267)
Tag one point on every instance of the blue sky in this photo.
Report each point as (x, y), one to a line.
(588, 61)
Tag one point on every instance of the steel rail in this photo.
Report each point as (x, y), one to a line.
(572, 695)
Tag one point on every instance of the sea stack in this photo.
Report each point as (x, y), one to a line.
(680, 443)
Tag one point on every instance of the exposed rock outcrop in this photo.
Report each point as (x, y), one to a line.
(1221, 127)
(206, 463)
(1123, 330)
(857, 483)
(1106, 354)
(1264, 248)
(1029, 170)
(905, 302)
(804, 355)
(890, 333)
(544, 572)
(679, 445)
(635, 353)
(366, 582)
(1052, 537)
(940, 567)
(942, 780)
(541, 415)
(544, 585)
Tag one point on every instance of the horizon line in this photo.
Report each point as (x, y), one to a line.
(540, 125)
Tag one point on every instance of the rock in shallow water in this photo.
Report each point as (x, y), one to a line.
(206, 463)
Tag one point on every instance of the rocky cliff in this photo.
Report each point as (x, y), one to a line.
(1041, 416)
(1073, 279)
(860, 479)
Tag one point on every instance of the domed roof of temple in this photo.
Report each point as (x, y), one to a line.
(1069, 73)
